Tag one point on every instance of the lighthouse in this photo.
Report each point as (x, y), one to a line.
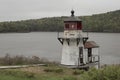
(77, 51)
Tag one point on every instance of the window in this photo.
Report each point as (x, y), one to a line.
(79, 26)
(81, 54)
(89, 54)
(66, 26)
(73, 26)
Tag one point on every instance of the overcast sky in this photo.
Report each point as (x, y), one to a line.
(35, 9)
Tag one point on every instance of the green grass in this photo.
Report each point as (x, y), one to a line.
(15, 75)
(54, 72)
(9, 77)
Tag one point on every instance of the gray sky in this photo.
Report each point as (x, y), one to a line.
(34, 9)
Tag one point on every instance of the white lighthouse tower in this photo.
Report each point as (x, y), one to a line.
(76, 50)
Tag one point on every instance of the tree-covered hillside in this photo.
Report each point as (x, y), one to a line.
(107, 22)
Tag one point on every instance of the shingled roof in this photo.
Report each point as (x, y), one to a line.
(72, 19)
(91, 44)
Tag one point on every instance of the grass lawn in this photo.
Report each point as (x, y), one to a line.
(51, 72)
(54, 72)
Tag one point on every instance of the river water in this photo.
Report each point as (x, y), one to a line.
(46, 45)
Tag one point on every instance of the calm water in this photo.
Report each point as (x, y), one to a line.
(46, 45)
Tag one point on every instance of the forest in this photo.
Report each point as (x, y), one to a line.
(105, 22)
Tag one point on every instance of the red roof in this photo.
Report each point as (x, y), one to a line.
(91, 44)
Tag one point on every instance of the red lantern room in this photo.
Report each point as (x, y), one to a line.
(73, 23)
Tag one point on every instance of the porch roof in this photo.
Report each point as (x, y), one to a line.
(91, 44)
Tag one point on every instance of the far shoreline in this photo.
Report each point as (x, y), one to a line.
(53, 31)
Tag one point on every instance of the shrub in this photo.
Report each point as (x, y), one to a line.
(21, 60)
(106, 73)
